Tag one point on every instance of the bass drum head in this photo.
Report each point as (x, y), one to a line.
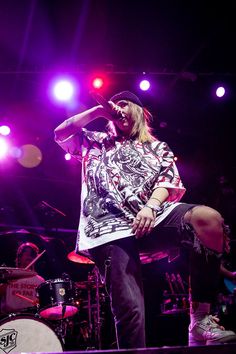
(27, 334)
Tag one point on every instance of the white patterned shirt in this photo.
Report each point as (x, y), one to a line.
(118, 178)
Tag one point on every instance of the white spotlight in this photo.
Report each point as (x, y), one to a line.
(220, 92)
(144, 85)
(63, 90)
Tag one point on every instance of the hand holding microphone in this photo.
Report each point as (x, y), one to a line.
(114, 110)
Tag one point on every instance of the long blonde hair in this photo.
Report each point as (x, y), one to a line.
(141, 129)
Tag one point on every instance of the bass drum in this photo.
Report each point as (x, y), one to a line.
(27, 333)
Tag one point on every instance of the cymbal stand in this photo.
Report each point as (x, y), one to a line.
(90, 325)
(97, 318)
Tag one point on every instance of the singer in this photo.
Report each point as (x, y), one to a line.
(131, 202)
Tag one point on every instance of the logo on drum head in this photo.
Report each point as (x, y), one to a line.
(62, 291)
(8, 339)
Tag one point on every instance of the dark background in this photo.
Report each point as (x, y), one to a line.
(186, 48)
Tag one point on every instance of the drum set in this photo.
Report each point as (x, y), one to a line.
(66, 313)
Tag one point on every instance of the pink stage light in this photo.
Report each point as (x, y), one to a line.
(220, 91)
(5, 130)
(144, 85)
(98, 83)
(64, 90)
(3, 148)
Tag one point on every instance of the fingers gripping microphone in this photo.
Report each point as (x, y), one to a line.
(106, 105)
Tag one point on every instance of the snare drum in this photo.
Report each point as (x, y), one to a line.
(27, 333)
(57, 299)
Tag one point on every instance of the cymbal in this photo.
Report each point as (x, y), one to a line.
(16, 231)
(149, 257)
(8, 273)
(87, 284)
(77, 258)
(22, 235)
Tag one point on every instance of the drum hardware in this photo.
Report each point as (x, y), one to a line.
(174, 303)
(90, 327)
(97, 321)
(176, 300)
(88, 284)
(226, 304)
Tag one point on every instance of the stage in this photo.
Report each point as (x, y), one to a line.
(214, 349)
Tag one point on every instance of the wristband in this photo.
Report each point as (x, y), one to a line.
(155, 208)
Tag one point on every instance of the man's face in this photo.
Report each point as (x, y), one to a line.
(26, 257)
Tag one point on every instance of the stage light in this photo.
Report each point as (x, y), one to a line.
(67, 157)
(3, 148)
(98, 83)
(220, 91)
(5, 130)
(144, 85)
(63, 90)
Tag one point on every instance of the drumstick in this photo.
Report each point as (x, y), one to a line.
(34, 302)
(34, 260)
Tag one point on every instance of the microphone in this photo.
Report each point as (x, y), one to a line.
(103, 102)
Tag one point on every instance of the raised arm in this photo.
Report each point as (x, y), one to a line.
(73, 124)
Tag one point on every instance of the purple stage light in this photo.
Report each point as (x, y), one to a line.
(3, 148)
(144, 85)
(5, 130)
(64, 90)
(220, 91)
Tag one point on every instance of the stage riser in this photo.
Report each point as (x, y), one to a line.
(213, 349)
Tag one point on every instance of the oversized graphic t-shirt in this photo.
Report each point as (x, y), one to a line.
(118, 178)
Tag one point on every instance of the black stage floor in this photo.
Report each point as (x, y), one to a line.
(213, 349)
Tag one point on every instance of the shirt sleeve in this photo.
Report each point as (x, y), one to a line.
(168, 176)
(79, 144)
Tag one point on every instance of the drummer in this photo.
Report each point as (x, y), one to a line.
(20, 295)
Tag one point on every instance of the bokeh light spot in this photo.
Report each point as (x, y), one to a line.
(31, 156)
(5, 130)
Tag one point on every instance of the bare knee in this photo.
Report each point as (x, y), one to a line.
(203, 215)
(208, 225)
